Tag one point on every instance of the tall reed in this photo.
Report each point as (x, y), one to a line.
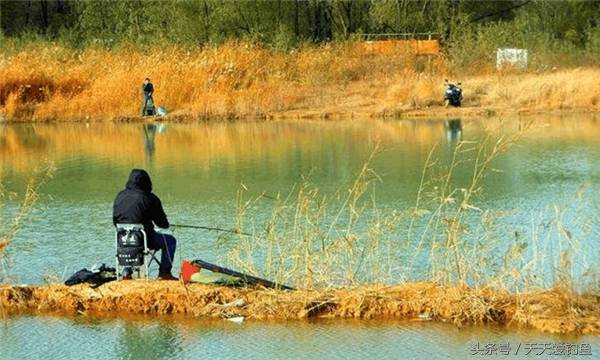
(318, 240)
(13, 217)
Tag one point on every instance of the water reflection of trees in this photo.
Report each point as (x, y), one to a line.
(232, 144)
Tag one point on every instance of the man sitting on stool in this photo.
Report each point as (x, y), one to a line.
(138, 205)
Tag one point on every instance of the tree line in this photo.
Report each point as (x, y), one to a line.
(287, 23)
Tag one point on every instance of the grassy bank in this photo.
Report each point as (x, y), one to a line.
(555, 310)
(47, 82)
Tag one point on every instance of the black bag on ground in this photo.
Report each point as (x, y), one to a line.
(96, 278)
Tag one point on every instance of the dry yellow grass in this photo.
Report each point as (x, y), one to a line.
(235, 79)
(566, 89)
(557, 310)
(240, 80)
(3, 245)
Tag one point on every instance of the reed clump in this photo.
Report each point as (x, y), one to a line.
(17, 216)
(26, 203)
(317, 239)
(323, 241)
(45, 81)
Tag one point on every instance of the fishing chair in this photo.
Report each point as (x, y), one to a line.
(133, 253)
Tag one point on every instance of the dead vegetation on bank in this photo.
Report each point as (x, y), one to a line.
(46, 82)
(557, 310)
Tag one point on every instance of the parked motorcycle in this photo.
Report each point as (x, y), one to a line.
(453, 94)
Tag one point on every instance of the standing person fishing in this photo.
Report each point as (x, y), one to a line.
(137, 204)
(148, 90)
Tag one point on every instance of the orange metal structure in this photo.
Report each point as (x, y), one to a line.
(419, 47)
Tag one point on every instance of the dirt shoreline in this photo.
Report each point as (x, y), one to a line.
(556, 310)
(436, 112)
(433, 113)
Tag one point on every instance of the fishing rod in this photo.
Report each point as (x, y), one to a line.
(249, 279)
(211, 229)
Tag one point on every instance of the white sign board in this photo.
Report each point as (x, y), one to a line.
(512, 58)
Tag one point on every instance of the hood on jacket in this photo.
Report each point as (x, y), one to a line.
(139, 180)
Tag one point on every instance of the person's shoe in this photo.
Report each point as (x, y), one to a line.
(167, 276)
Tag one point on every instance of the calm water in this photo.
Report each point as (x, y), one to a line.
(57, 338)
(197, 170)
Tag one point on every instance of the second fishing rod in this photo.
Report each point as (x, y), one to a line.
(210, 228)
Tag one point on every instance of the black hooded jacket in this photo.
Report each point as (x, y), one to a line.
(138, 205)
(148, 89)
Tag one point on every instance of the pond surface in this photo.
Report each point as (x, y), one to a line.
(197, 170)
(75, 338)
